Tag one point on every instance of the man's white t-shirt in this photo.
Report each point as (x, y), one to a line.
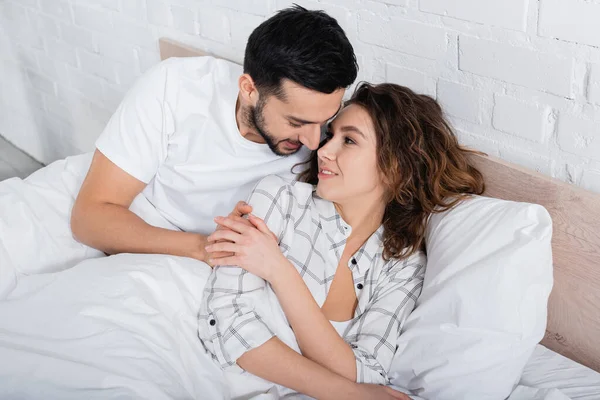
(176, 131)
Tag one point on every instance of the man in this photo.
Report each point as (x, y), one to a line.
(193, 136)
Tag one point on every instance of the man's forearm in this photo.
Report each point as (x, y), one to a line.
(278, 363)
(114, 229)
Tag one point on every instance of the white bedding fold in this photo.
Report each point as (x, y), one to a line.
(115, 327)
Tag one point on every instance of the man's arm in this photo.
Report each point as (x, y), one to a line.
(101, 217)
(278, 363)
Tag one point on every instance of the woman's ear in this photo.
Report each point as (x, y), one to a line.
(248, 89)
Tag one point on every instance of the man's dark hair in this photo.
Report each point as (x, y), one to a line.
(305, 46)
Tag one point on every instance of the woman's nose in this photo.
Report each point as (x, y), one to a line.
(327, 151)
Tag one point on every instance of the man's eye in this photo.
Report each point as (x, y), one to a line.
(294, 125)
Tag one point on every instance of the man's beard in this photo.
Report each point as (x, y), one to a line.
(255, 120)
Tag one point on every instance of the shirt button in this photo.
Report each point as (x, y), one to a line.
(354, 261)
(212, 322)
(359, 286)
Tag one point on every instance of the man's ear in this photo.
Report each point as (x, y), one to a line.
(248, 89)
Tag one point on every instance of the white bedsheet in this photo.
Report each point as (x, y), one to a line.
(120, 327)
(551, 375)
(125, 327)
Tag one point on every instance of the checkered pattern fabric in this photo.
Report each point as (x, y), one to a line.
(312, 236)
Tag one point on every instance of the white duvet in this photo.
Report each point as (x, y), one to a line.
(120, 327)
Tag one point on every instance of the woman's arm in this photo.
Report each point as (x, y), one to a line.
(257, 252)
(317, 338)
(278, 363)
(373, 338)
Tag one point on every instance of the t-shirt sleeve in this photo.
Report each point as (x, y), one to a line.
(136, 137)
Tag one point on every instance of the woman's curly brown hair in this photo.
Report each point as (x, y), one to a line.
(425, 168)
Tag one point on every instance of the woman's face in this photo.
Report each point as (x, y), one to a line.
(348, 171)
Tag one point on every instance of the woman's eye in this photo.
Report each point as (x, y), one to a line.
(347, 140)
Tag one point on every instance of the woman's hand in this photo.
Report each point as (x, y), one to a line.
(254, 248)
(241, 208)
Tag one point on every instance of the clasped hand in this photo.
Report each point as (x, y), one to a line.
(250, 244)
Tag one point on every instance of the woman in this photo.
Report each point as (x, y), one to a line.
(342, 251)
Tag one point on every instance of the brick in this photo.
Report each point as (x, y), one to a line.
(76, 36)
(477, 142)
(511, 14)
(40, 82)
(34, 4)
(134, 9)
(27, 58)
(12, 12)
(109, 4)
(54, 70)
(594, 84)
(579, 136)
(402, 3)
(45, 26)
(184, 19)
(89, 85)
(27, 35)
(517, 65)
(518, 118)
(242, 26)
(97, 65)
(402, 35)
(110, 47)
(460, 101)
(591, 180)
(61, 51)
(126, 74)
(146, 59)
(527, 159)
(158, 12)
(134, 33)
(59, 9)
(214, 24)
(57, 108)
(91, 18)
(573, 21)
(415, 80)
(256, 7)
(112, 96)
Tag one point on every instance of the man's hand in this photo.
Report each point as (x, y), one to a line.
(241, 208)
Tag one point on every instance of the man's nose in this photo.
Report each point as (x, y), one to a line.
(312, 138)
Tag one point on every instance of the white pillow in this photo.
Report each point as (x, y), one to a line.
(483, 307)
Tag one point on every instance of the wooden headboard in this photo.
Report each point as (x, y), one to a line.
(573, 319)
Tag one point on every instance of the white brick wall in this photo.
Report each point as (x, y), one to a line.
(519, 79)
(572, 20)
(525, 120)
(506, 13)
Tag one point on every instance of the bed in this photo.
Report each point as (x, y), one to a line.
(146, 310)
(574, 320)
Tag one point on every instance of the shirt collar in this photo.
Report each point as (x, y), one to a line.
(331, 221)
(334, 226)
